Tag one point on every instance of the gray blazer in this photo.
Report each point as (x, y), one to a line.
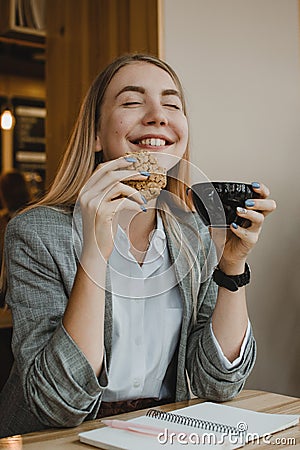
(52, 384)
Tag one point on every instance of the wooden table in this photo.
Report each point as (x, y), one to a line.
(67, 439)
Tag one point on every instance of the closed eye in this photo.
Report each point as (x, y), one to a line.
(172, 106)
(131, 103)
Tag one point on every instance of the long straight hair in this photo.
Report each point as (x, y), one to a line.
(78, 162)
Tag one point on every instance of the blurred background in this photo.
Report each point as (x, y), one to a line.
(239, 63)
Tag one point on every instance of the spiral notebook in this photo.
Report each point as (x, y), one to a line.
(206, 425)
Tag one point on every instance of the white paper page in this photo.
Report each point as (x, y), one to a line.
(112, 439)
(255, 424)
(260, 423)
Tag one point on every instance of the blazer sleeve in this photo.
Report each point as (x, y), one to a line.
(209, 378)
(58, 382)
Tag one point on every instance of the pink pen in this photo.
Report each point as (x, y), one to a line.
(140, 428)
(136, 427)
(131, 426)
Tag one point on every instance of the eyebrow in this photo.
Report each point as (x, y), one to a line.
(131, 88)
(171, 92)
(142, 91)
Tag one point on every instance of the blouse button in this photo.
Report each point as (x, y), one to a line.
(136, 382)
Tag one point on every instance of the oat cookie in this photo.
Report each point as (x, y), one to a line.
(151, 187)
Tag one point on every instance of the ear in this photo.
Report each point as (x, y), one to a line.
(98, 146)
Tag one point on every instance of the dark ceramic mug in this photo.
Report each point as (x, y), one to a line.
(216, 202)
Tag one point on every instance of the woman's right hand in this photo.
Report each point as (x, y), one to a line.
(102, 197)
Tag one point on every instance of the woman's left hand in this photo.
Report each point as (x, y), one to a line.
(240, 240)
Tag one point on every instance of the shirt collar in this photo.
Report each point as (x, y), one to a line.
(157, 242)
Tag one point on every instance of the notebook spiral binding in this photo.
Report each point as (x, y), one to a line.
(193, 422)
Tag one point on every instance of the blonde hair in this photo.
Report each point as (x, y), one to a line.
(78, 162)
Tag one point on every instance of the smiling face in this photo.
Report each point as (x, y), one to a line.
(142, 110)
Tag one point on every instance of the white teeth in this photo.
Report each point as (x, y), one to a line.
(153, 142)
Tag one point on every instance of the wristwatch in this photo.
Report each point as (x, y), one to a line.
(231, 282)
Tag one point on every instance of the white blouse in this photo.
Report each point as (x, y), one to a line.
(147, 315)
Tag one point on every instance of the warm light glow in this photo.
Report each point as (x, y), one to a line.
(7, 120)
(12, 443)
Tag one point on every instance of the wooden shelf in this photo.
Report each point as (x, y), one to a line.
(22, 42)
(10, 24)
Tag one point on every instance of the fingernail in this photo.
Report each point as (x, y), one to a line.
(255, 185)
(249, 202)
(130, 159)
(143, 198)
(143, 208)
(146, 174)
(187, 190)
(241, 210)
(234, 225)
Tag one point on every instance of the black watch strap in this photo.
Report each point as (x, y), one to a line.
(231, 282)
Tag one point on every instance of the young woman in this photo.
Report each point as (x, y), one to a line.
(113, 301)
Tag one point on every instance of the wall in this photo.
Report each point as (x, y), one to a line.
(238, 60)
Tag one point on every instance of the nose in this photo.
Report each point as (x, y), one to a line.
(155, 115)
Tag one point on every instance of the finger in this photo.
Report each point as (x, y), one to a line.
(121, 175)
(266, 206)
(109, 166)
(101, 182)
(122, 190)
(121, 204)
(260, 189)
(247, 235)
(256, 218)
(115, 176)
(93, 199)
(115, 164)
